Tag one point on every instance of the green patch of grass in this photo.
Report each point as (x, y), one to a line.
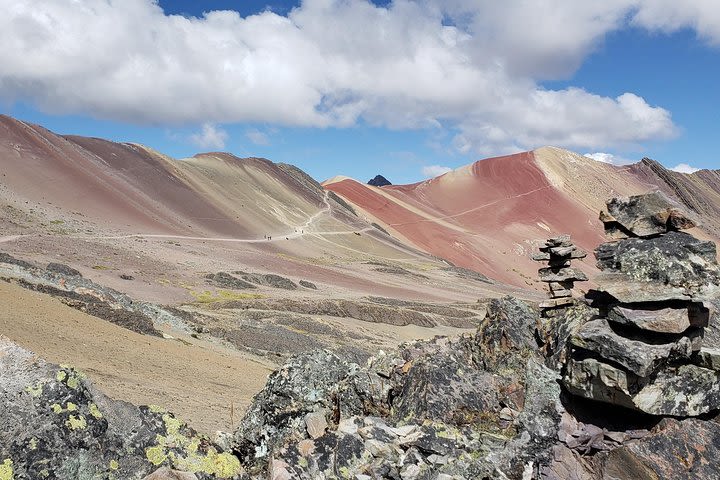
(57, 222)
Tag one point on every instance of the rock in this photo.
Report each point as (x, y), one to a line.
(316, 424)
(674, 266)
(306, 383)
(637, 356)
(508, 327)
(561, 274)
(663, 320)
(62, 269)
(556, 302)
(55, 424)
(125, 276)
(306, 284)
(674, 449)
(708, 358)
(225, 280)
(267, 279)
(649, 214)
(687, 390)
(166, 473)
(379, 181)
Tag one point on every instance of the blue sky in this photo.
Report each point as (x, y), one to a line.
(357, 89)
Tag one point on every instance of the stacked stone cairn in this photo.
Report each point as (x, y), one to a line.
(559, 275)
(644, 351)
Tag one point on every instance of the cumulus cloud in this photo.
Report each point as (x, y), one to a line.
(684, 168)
(430, 171)
(257, 137)
(608, 158)
(470, 67)
(211, 136)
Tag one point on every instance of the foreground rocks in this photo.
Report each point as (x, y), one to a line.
(646, 351)
(55, 424)
(614, 387)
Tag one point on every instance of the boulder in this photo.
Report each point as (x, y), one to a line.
(674, 266)
(684, 391)
(649, 214)
(551, 274)
(636, 355)
(62, 269)
(55, 424)
(662, 320)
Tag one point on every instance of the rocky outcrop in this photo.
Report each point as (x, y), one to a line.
(55, 424)
(472, 407)
(645, 352)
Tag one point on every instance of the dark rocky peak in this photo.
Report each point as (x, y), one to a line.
(379, 181)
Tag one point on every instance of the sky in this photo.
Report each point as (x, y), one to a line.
(406, 89)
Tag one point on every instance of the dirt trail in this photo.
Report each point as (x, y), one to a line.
(197, 382)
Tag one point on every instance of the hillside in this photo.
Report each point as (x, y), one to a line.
(490, 215)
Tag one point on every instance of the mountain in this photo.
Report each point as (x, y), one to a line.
(379, 181)
(107, 208)
(490, 215)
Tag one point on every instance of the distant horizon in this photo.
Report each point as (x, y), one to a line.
(358, 88)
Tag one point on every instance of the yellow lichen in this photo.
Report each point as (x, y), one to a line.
(56, 408)
(156, 409)
(225, 465)
(76, 422)
(36, 390)
(33, 443)
(6, 470)
(61, 376)
(71, 407)
(172, 424)
(94, 410)
(74, 381)
(155, 455)
(114, 465)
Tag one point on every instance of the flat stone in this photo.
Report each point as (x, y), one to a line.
(562, 251)
(708, 358)
(637, 356)
(540, 256)
(561, 274)
(649, 214)
(558, 241)
(685, 391)
(316, 424)
(662, 320)
(556, 302)
(561, 293)
(554, 286)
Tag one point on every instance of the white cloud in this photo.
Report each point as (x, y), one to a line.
(257, 137)
(684, 168)
(338, 62)
(211, 136)
(608, 158)
(430, 171)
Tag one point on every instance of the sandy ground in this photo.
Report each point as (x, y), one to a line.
(197, 382)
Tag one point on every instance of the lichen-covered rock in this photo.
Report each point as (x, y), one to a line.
(638, 356)
(305, 384)
(649, 214)
(684, 391)
(508, 329)
(674, 266)
(661, 318)
(56, 425)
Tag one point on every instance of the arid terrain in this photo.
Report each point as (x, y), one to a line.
(262, 262)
